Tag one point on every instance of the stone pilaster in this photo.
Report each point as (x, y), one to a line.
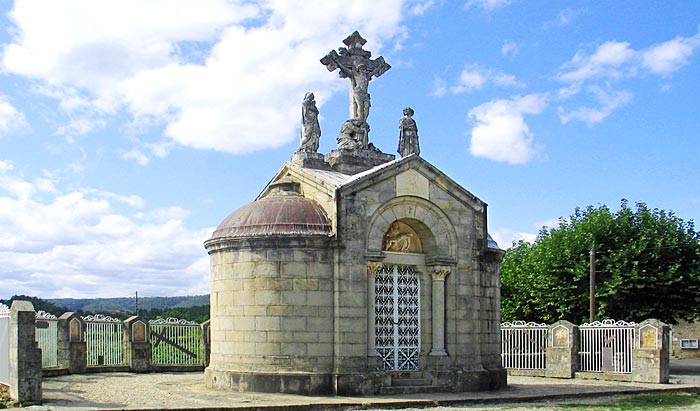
(72, 347)
(372, 271)
(137, 344)
(25, 355)
(562, 350)
(438, 274)
(651, 352)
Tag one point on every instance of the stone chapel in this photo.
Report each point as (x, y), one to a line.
(355, 272)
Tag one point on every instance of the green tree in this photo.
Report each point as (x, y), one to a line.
(647, 266)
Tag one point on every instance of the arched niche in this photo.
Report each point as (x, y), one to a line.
(416, 216)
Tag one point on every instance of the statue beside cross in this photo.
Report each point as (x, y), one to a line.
(355, 63)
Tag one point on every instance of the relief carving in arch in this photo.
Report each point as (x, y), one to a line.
(401, 238)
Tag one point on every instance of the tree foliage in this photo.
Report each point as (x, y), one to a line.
(647, 266)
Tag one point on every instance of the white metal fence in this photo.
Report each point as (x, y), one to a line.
(105, 345)
(175, 342)
(47, 336)
(4, 344)
(606, 346)
(523, 345)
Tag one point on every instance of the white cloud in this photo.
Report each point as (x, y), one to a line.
(420, 7)
(609, 101)
(76, 244)
(215, 74)
(563, 18)
(487, 5)
(667, 57)
(475, 77)
(505, 237)
(509, 48)
(609, 60)
(10, 118)
(615, 59)
(5, 166)
(136, 155)
(501, 133)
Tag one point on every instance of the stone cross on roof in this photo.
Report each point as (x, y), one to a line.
(355, 63)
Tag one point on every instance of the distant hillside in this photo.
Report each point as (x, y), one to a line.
(128, 303)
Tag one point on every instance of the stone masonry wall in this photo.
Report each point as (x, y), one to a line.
(272, 307)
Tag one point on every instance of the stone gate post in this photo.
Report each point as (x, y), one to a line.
(72, 347)
(25, 354)
(137, 345)
(562, 350)
(650, 356)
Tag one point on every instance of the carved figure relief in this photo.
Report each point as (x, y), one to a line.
(401, 238)
(561, 337)
(648, 337)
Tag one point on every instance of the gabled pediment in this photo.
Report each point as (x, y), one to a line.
(414, 176)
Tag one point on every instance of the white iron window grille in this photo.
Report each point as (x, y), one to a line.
(523, 345)
(606, 346)
(397, 317)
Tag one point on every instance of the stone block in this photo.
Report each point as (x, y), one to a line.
(268, 323)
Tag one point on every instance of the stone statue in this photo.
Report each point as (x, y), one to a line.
(353, 135)
(354, 63)
(310, 129)
(408, 134)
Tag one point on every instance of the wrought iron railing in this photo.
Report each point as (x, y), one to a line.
(606, 346)
(523, 345)
(103, 335)
(175, 342)
(47, 338)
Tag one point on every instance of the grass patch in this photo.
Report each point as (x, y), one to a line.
(641, 402)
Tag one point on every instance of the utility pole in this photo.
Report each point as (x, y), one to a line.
(592, 287)
(137, 303)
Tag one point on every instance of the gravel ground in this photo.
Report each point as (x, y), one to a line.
(187, 391)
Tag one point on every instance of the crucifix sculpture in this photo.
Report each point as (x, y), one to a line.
(354, 63)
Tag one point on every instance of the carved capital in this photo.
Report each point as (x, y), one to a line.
(440, 272)
(373, 268)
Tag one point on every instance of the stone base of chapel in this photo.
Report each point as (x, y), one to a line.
(289, 383)
(357, 384)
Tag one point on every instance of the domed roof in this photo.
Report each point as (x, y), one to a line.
(288, 214)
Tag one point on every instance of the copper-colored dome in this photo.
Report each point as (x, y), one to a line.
(287, 215)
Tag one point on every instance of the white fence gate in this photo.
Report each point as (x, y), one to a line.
(523, 345)
(606, 346)
(103, 335)
(47, 336)
(175, 342)
(4, 344)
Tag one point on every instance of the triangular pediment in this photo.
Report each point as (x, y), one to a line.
(414, 175)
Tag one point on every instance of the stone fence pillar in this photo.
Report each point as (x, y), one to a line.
(206, 342)
(72, 347)
(25, 355)
(651, 352)
(137, 344)
(562, 350)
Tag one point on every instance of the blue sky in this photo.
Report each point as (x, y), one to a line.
(130, 129)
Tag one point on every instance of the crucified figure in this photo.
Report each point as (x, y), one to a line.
(355, 63)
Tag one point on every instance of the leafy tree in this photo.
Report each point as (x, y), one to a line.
(647, 266)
